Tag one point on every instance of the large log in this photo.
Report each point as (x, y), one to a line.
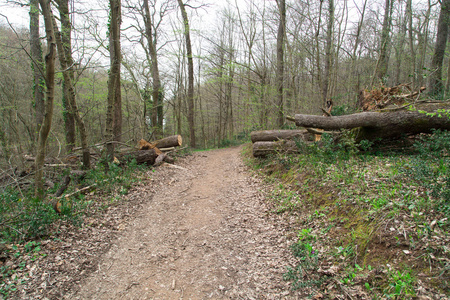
(385, 124)
(262, 149)
(275, 135)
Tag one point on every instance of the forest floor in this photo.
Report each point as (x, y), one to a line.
(210, 228)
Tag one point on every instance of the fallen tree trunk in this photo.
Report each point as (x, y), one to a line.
(275, 135)
(387, 124)
(262, 149)
(141, 156)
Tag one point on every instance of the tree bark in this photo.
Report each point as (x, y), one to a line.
(275, 135)
(50, 84)
(388, 124)
(262, 149)
(190, 97)
(436, 85)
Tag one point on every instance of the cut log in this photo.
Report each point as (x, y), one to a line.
(389, 124)
(170, 141)
(262, 149)
(275, 135)
(167, 142)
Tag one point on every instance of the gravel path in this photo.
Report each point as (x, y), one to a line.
(205, 234)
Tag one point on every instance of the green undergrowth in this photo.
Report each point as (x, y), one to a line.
(25, 221)
(24, 218)
(379, 218)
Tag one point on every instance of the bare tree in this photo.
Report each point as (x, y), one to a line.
(50, 84)
(190, 96)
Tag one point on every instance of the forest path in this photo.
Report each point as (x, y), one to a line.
(205, 234)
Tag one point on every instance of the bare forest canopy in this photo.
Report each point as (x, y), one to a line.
(205, 70)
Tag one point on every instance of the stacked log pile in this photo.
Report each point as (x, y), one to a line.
(148, 153)
(268, 142)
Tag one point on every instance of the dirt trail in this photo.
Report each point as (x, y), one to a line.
(205, 234)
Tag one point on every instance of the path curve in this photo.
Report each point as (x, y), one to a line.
(205, 234)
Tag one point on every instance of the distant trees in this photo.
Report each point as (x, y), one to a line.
(256, 62)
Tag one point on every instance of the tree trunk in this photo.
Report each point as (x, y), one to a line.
(275, 135)
(157, 93)
(114, 95)
(383, 59)
(66, 49)
(411, 43)
(388, 124)
(280, 60)
(436, 85)
(37, 64)
(50, 84)
(190, 97)
(63, 42)
(328, 53)
(262, 149)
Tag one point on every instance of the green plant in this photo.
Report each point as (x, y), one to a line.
(308, 260)
(401, 284)
(305, 235)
